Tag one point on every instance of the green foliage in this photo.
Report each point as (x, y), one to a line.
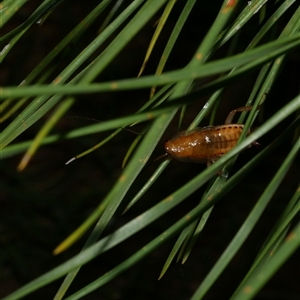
(49, 91)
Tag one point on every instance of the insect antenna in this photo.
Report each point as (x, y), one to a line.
(102, 142)
(165, 155)
(162, 157)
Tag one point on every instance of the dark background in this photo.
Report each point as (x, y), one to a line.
(43, 204)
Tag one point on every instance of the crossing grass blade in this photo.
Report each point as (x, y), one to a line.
(246, 228)
(173, 38)
(267, 52)
(113, 200)
(290, 245)
(246, 61)
(159, 27)
(9, 8)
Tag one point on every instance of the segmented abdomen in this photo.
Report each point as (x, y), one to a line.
(217, 141)
(204, 144)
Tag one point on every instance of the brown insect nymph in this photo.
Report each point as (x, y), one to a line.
(207, 144)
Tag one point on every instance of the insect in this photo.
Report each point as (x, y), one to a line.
(206, 144)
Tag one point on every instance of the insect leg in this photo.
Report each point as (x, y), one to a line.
(232, 113)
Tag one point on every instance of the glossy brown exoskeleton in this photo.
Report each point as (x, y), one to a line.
(206, 144)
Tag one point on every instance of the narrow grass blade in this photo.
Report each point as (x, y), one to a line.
(253, 58)
(285, 251)
(172, 39)
(161, 23)
(8, 9)
(175, 249)
(44, 131)
(272, 243)
(247, 227)
(109, 241)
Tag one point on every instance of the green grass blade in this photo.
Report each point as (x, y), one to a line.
(179, 90)
(14, 35)
(110, 15)
(173, 38)
(183, 235)
(164, 93)
(114, 198)
(95, 147)
(129, 174)
(129, 262)
(102, 245)
(268, 25)
(284, 218)
(43, 104)
(248, 12)
(274, 44)
(253, 58)
(44, 131)
(147, 185)
(162, 122)
(163, 19)
(73, 37)
(131, 149)
(193, 234)
(290, 245)
(103, 126)
(12, 109)
(274, 240)
(199, 227)
(247, 227)
(8, 9)
(131, 29)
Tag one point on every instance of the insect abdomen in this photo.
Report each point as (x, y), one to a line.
(222, 139)
(204, 144)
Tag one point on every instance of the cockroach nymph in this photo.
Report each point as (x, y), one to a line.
(206, 144)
